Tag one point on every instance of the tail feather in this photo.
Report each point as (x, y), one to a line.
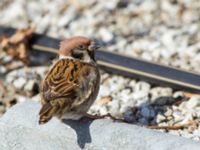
(45, 108)
(46, 113)
(55, 108)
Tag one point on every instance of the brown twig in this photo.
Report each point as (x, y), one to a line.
(175, 127)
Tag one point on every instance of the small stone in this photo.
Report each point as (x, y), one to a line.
(168, 112)
(124, 96)
(169, 118)
(187, 117)
(66, 19)
(143, 121)
(2, 69)
(141, 95)
(132, 83)
(193, 102)
(142, 86)
(113, 108)
(126, 105)
(106, 35)
(148, 112)
(19, 83)
(160, 118)
(7, 59)
(178, 116)
(121, 44)
(197, 132)
(178, 94)
(103, 110)
(103, 91)
(146, 56)
(41, 71)
(162, 100)
(141, 92)
(9, 79)
(160, 91)
(36, 98)
(129, 116)
(30, 85)
(20, 98)
(111, 5)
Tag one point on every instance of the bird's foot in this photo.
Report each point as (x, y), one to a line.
(94, 117)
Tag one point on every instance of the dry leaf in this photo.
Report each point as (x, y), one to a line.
(17, 44)
(188, 94)
(104, 100)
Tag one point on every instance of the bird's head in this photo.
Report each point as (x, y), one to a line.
(78, 47)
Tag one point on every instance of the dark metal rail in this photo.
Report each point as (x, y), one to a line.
(124, 65)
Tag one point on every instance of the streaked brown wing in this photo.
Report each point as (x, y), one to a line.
(61, 80)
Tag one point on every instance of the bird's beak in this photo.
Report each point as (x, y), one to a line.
(94, 46)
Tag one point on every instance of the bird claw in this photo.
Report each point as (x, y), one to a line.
(94, 117)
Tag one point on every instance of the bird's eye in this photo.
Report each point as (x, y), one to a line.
(82, 46)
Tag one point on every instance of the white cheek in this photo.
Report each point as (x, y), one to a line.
(65, 57)
(87, 58)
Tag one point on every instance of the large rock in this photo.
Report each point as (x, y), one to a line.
(19, 130)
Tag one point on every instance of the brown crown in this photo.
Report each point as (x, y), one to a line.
(71, 43)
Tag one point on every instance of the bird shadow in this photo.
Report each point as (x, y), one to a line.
(82, 129)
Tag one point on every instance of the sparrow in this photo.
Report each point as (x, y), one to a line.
(72, 83)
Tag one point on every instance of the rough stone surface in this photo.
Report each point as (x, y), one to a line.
(19, 130)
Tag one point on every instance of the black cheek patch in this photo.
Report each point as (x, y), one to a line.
(77, 55)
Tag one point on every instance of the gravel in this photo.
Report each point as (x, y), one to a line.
(161, 31)
(165, 32)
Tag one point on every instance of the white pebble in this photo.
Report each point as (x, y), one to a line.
(147, 112)
(129, 116)
(113, 108)
(106, 35)
(160, 118)
(30, 85)
(19, 83)
(193, 102)
(2, 70)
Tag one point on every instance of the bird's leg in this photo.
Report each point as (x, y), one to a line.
(93, 117)
(87, 117)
